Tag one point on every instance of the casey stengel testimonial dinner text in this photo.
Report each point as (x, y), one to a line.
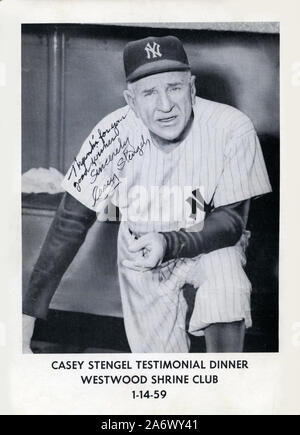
(161, 372)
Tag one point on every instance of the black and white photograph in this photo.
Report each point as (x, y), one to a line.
(150, 187)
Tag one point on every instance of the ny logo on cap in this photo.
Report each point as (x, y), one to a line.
(153, 50)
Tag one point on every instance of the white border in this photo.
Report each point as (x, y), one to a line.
(29, 386)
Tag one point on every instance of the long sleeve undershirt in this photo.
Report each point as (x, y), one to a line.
(222, 228)
(64, 238)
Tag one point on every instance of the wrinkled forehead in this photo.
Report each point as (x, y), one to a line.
(162, 80)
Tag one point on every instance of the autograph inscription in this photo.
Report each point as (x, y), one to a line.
(81, 168)
(94, 161)
(128, 153)
(100, 193)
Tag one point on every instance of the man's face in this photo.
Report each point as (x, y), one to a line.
(163, 102)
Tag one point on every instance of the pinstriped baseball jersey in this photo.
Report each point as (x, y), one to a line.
(222, 157)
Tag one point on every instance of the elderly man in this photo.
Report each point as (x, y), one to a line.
(166, 146)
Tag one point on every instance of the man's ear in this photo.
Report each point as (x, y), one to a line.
(193, 89)
(130, 99)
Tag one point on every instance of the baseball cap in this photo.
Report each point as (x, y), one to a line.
(154, 55)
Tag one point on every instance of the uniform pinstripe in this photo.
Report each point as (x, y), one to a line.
(222, 154)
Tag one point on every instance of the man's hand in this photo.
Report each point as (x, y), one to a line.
(149, 249)
(28, 325)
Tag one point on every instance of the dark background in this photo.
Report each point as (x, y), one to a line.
(72, 76)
